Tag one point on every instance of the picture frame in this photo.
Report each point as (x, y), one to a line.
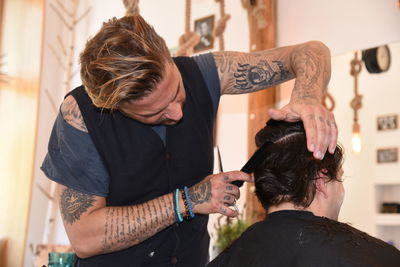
(387, 122)
(204, 27)
(387, 155)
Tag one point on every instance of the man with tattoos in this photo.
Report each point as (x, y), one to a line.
(302, 197)
(131, 149)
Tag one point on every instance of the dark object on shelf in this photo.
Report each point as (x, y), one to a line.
(390, 207)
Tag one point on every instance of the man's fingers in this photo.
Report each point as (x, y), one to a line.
(321, 132)
(310, 127)
(323, 135)
(236, 175)
(334, 135)
(277, 114)
(232, 190)
(229, 199)
(224, 210)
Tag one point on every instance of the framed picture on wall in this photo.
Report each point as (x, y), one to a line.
(387, 122)
(204, 27)
(387, 155)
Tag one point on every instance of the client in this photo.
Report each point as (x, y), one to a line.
(302, 197)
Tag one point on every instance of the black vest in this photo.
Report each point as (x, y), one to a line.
(142, 168)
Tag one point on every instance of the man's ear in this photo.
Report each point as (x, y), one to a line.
(321, 185)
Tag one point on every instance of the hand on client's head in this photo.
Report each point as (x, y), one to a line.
(319, 124)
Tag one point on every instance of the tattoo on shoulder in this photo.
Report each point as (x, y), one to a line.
(72, 114)
(73, 203)
(262, 75)
(200, 193)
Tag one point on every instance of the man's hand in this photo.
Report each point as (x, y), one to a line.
(216, 193)
(319, 123)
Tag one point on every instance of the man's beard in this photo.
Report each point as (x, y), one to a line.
(169, 122)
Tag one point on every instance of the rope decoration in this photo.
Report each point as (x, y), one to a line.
(132, 7)
(329, 102)
(257, 10)
(187, 42)
(189, 39)
(356, 102)
(221, 25)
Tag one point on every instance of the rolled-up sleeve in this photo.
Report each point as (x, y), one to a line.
(72, 160)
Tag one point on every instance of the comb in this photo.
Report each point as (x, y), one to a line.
(256, 159)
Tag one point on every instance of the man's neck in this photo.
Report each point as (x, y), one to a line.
(291, 206)
(284, 206)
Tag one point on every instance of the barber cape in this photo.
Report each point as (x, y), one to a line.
(299, 239)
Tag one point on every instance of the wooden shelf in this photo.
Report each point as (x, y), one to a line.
(388, 181)
(388, 219)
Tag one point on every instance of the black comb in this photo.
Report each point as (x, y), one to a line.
(255, 161)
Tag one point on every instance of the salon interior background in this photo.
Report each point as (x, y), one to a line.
(34, 89)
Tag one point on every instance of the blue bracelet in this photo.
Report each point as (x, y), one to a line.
(188, 202)
(177, 210)
(174, 203)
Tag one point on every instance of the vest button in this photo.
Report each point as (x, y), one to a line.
(174, 260)
(151, 254)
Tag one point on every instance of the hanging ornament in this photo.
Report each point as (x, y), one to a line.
(189, 39)
(132, 7)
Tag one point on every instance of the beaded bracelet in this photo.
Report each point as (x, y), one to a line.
(188, 202)
(185, 202)
(177, 210)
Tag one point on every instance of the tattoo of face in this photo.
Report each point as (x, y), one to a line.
(200, 193)
(262, 75)
(74, 203)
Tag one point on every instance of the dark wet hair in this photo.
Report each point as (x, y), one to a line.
(289, 170)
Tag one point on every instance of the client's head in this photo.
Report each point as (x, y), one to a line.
(291, 178)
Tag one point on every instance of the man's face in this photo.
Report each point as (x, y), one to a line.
(204, 28)
(162, 106)
(336, 195)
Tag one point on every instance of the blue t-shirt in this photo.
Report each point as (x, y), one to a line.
(72, 158)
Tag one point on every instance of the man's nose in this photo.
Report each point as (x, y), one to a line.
(175, 112)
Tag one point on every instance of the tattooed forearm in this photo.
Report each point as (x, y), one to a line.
(73, 203)
(200, 193)
(264, 74)
(311, 63)
(248, 72)
(72, 114)
(133, 224)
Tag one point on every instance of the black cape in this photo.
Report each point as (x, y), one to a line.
(298, 238)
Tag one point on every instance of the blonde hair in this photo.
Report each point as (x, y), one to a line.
(124, 60)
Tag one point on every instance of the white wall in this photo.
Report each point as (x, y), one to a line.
(45, 225)
(344, 25)
(381, 97)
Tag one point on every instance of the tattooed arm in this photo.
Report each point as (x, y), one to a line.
(309, 63)
(93, 228)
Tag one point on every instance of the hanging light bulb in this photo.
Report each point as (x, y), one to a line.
(356, 142)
